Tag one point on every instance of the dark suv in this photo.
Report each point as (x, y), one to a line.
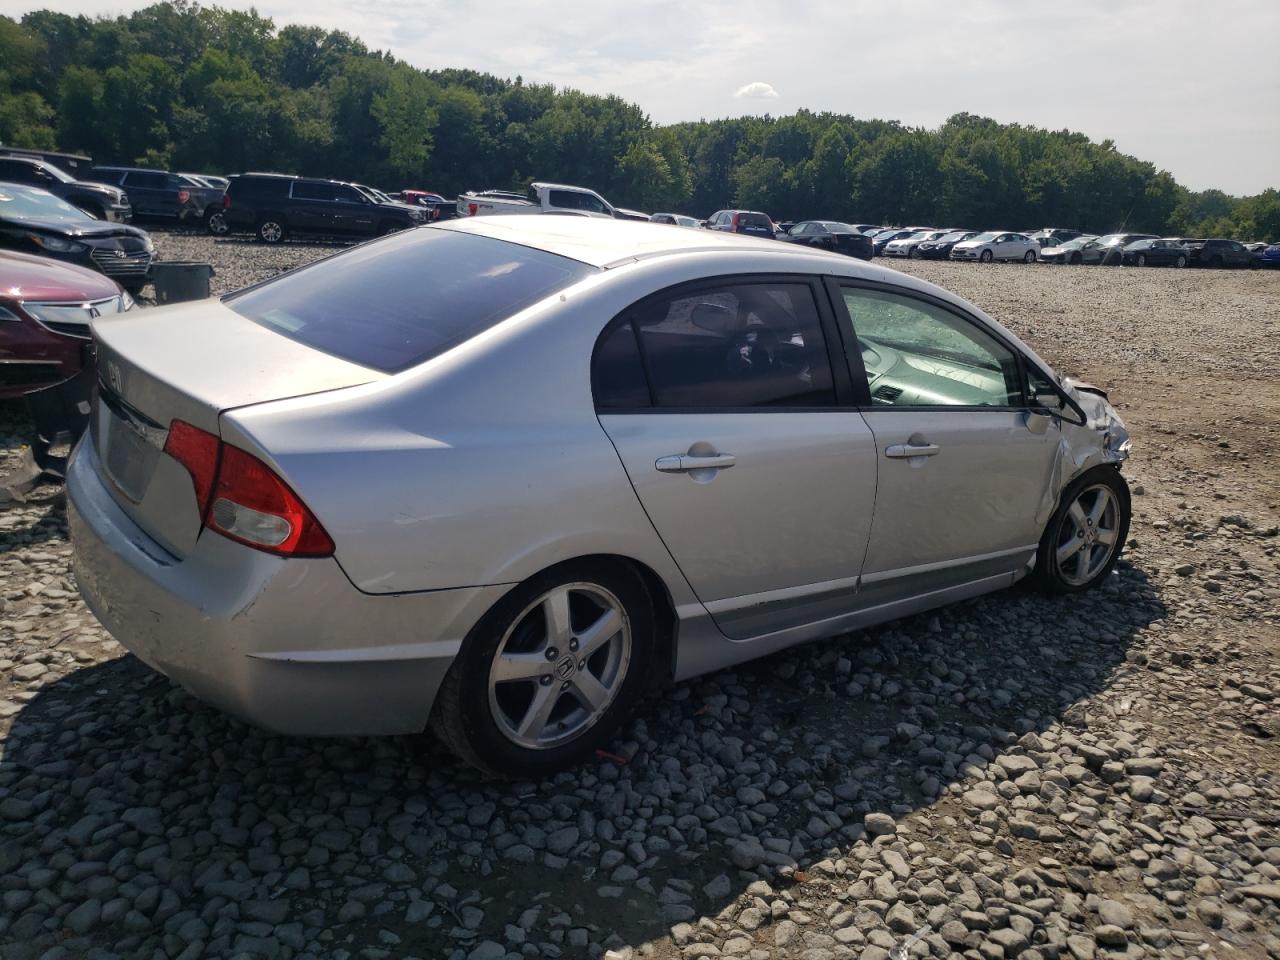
(751, 222)
(157, 193)
(275, 205)
(97, 199)
(1217, 253)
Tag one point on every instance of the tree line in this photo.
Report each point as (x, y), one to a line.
(191, 87)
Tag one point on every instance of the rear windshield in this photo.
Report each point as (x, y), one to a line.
(397, 302)
(755, 220)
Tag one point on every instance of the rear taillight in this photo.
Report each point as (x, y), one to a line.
(241, 498)
(471, 209)
(198, 451)
(226, 201)
(184, 196)
(734, 224)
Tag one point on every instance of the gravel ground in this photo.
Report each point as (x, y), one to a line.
(1013, 776)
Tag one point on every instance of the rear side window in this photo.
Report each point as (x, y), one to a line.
(734, 346)
(366, 304)
(617, 371)
(264, 188)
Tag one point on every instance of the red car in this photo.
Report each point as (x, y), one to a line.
(45, 309)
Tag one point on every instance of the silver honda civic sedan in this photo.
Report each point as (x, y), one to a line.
(494, 477)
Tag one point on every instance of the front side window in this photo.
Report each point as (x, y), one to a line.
(732, 346)
(917, 354)
(344, 194)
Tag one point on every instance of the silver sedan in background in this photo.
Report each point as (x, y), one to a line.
(599, 454)
(997, 245)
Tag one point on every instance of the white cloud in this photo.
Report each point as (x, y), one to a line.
(757, 91)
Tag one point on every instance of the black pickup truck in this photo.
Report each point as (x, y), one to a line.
(158, 193)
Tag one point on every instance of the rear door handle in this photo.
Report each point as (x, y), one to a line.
(900, 451)
(683, 463)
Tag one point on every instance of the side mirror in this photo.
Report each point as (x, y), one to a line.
(1048, 401)
(712, 317)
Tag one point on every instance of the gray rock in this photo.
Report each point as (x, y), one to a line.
(879, 824)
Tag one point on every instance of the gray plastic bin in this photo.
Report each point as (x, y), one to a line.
(179, 280)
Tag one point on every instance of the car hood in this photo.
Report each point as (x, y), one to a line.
(98, 188)
(406, 207)
(971, 244)
(25, 277)
(1053, 251)
(86, 230)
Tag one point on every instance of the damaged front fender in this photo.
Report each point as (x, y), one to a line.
(1101, 439)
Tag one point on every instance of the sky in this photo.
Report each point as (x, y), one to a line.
(1188, 85)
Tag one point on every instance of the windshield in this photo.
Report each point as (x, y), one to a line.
(985, 237)
(955, 237)
(919, 235)
(1077, 243)
(834, 227)
(383, 321)
(1111, 239)
(26, 203)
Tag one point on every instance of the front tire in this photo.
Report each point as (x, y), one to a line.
(986, 256)
(1141, 259)
(1086, 534)
(548, 675)
(1180, 262)
(1076, 259)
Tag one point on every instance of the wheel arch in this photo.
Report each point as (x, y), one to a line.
(664, 607)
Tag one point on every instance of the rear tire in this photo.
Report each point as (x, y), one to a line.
(389, 226)
(1180, 262)
(1030, 257)
(913, 254)
(1093, 515)
(539, 718)
(272, 229)
(986, 256)
(216, 223)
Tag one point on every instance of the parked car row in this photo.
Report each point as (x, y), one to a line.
(1048, 244)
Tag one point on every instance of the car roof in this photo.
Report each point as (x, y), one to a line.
(607, 243)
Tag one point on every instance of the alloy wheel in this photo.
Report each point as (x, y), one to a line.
(559, 666)
(217, 224)
(1089, 535)
(271, 231)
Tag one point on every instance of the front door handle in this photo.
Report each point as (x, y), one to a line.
(900, 451)
(685, 463)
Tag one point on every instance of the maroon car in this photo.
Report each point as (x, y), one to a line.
(45, 309)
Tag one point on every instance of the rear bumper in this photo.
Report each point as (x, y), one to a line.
(288, 645)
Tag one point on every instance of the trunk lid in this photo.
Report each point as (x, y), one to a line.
(189, 362)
